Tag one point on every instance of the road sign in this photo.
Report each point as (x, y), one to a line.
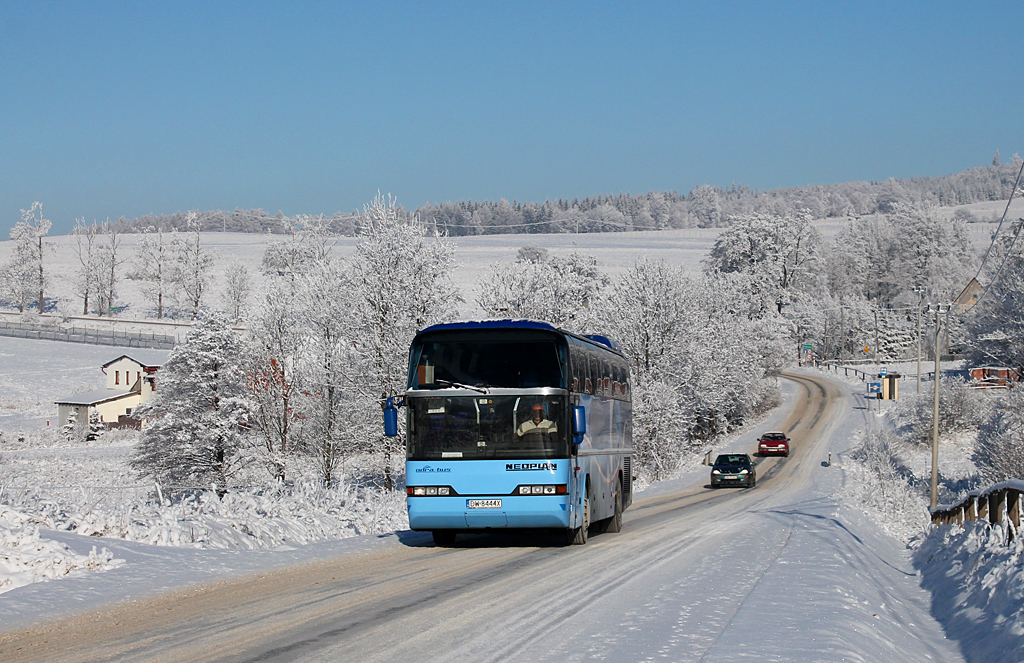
(808, 346)
(866, 348)
(883, 371)
(874, 387)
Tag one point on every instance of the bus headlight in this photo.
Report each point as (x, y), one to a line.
(429, 491)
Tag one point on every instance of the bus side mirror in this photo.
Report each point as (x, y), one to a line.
(579, 424)
(390, 418)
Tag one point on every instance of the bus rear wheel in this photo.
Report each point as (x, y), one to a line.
(443, 537)
(614, 524)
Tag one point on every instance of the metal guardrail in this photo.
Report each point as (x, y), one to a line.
(833, 366)
(128, 339)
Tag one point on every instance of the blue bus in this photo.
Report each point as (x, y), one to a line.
(515, 424)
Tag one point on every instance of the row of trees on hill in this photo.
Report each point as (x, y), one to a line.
(705, 206)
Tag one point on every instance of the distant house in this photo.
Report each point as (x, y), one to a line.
(994, 377)
(131, 381)
(966, 300)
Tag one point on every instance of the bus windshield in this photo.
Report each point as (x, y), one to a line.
(487, 427)
(516, 360)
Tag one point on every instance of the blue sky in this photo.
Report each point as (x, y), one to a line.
(126, 108)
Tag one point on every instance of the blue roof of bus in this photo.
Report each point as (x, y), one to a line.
(493, 324)
(519, 324)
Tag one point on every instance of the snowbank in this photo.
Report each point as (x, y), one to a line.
(977, 586)
(26, 558)
(256, 519)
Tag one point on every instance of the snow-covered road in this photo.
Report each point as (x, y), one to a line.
(778, 573)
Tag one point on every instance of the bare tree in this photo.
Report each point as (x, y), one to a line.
(85, 248)
(153, 266)
(237, 287)
(192, 266)
(107, 263)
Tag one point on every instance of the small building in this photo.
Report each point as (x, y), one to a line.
(130, 381)
(993, 377)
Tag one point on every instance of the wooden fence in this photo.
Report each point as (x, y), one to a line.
(994, 504)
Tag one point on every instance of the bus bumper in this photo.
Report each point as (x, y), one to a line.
(430, 513)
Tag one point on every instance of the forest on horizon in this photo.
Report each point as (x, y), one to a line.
(705, 206)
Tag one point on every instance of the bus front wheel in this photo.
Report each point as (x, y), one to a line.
(578, 536)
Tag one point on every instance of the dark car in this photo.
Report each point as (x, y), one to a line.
(773, 442)
(733, 470)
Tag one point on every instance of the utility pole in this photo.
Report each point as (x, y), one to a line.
(938, 309)
(842, 331)
(920, 303)
(876, 341)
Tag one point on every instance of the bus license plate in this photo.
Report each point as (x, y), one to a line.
(483, 504)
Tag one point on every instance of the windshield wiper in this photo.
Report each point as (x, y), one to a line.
(459, 385)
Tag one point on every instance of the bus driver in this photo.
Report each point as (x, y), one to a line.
(537, 428)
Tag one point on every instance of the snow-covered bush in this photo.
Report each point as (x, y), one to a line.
(877, 484)
(26, 558)
(999, 453)
(960, 408)
(250, 518)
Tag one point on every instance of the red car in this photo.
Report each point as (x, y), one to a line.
(773, 443)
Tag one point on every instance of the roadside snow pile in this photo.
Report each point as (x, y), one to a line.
(240, 519)
(977, 586)
(26, 558)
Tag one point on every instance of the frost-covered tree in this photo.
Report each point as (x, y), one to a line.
(705, 207)
(192, 265)
(999, 452)
(995, 327)
(648, 313)
(28, 235)
(306, 244)
(237, 289)
(152, 264)
(402, 277)
(531, 253)
(71, 431)
(778, 254)
(337, 416)
(701, 364)
(559, 290)
(273, 345)
(195, 423)
(882, 259)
